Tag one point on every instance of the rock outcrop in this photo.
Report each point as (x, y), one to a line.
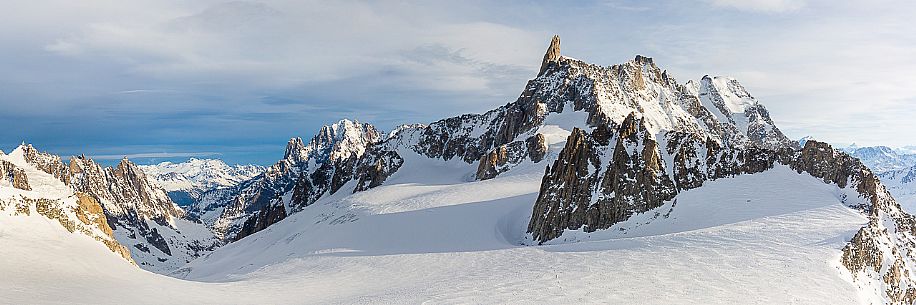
(306, 173)
(13, 175)
(139, 212)
(49, 163)
(880, 255)
(604, 177)
(265, 217)
(552, 55)
(76, 212)
(504, 157)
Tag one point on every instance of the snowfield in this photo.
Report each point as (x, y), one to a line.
(429, 235)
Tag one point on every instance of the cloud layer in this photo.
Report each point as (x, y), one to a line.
(117, 78)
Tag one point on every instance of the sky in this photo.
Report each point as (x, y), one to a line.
(160, 80)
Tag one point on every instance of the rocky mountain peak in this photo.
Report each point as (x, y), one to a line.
(295, 150)
(645, 61)
(552, 55)
(343, 139)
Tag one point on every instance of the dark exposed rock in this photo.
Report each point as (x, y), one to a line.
(267, 216)
(537, 147)
(307, 172)
(887, 239)
(606, 177)
(376, 168)
(576, 194)
(14, 175)
(133, 207)
(566, 185)
(552, 55)
(504, 157)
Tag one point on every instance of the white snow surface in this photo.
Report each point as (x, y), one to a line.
(430, 236)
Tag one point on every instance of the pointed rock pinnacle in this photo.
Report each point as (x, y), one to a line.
(552, 55)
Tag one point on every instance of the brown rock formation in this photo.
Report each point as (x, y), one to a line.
(566, 185)
(267, 216)
(503, 157)
(49, 163)
(552, 55)
(890, 235)
(582, 191)
(14, 175)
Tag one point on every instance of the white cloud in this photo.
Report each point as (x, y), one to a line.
(156, 70)
(281, 43)
(157, 155)
(761, 5)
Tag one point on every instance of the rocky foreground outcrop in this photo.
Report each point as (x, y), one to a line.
(881, 255)
(14, 175)
(600, 179)
(604, 177)
(77, 212)
(140, 214)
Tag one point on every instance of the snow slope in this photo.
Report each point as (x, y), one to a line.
(422, 238)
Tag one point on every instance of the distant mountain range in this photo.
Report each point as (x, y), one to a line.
(186, 181)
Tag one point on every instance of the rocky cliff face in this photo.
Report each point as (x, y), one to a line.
(604, 177)
(14, 176)
(646, 138)
(676, 137)
(35, 193)
(306, 172)
(880, 255)
(140, 214)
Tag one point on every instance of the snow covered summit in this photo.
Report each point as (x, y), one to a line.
(186, 181)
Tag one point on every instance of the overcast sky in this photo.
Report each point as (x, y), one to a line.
(168, 79)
